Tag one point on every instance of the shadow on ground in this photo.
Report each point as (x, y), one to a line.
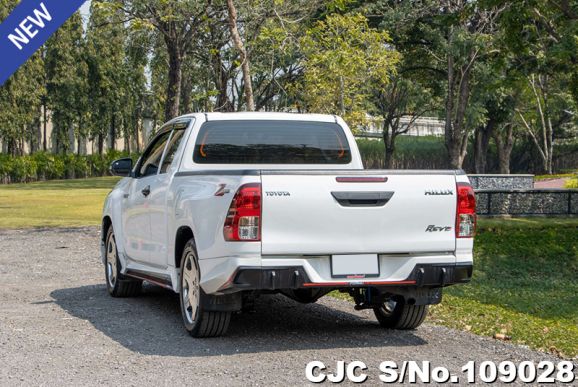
(151, 324)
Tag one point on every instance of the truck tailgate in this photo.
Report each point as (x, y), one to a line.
(354, 212)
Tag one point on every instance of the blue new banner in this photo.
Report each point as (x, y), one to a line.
(27, 28)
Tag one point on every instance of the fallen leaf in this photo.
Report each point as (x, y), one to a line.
(501, 336)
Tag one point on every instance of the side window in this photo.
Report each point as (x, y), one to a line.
(152, 156)
(172, 149)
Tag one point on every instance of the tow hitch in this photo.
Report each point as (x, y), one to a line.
(370, 298)
(366, 298)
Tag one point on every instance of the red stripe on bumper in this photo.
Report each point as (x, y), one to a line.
(357, 283)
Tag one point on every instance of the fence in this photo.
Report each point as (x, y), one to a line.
(527, 202)
(502, 181)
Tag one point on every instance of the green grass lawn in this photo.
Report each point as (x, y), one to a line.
(570, 174)
(525, 281)
(61, 203)
(525, 285)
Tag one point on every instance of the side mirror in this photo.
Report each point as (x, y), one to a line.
(121, 167)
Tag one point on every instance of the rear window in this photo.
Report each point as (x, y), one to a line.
(271, 142)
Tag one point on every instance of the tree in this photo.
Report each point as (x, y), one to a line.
(467, 37)
(542, 36)
(495, 95)
(401, 98)
(136, 48)
(342, 57)
(546, 111)
(412, 91)
(66, 81)
(444, 42)
(20, 99)
(107, 82)
(177, 22)
(243, 55)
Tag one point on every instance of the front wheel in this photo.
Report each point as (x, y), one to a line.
(198, 322)
(399, 315)
(117, 284)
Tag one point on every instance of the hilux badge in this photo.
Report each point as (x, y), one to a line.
(436, 192)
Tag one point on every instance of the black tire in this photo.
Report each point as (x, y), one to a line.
(198, 322)
(402, 316)
(117, 284)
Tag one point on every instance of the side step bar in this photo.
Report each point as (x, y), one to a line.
(164, 282)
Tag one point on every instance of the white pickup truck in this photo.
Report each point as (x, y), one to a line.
(221, 208)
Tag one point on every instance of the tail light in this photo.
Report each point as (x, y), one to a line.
(466, 211)
(243, 222)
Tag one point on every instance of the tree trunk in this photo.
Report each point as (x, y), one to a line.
(450, 136)
(36, 140)
(454, 156)
(482, 143)
(100, 144)
(174, 80)
(503, 161)
(71, 138)
(457, 99)
(186, 96)
(221, 78)
(389, 135)
(248, 86)
(44, 124)
(389, 151)
(341, 96)
(504, 148)
(112, 134)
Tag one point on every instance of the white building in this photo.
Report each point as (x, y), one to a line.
(424, 126)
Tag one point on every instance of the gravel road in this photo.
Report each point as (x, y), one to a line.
(58, 326)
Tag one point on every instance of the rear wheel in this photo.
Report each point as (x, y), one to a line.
(198, 322)
(117, 284)
(397, 314)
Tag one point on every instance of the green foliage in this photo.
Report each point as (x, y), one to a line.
(382, 58)
(524, 286)
(343, 56)
(411, 153)
(66, 82)
(20, 97)
(48, 166)
(572, 183)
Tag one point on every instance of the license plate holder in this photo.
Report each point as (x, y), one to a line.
(354, 266)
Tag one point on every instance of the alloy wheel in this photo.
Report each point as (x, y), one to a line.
(190, 288)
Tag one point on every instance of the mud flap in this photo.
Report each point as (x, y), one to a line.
(226, 303)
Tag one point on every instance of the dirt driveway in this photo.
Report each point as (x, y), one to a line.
(58, 326)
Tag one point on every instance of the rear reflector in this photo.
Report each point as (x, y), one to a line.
(361, 179)
(243, 222)
(466, 211)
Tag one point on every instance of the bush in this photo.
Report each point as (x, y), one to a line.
(572, 183)
(47, 166)
(411, 152)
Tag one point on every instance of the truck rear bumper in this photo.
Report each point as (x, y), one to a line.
(230, 274)
(295, 277)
